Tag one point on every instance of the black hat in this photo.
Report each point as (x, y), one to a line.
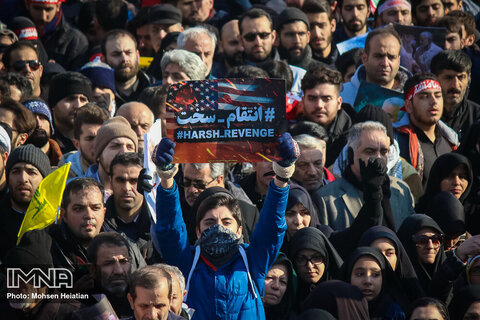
(165, 14)
(290, 15)
(32, 155)
(65, 84)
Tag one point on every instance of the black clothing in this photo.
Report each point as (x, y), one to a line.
(304, 61)
(381, 305)
(410, 226)
(441, 169)
(463, 300)
(340, 299)
(10, 222)
(171, 316)
(283, 310)
(330, 59)
(248, 184)
(463, 117)
(143, 81)
(66, 45)
(137, 231)
(314, 239)
(337, 136)
(431, 150)
(404, 270)
(66, 144)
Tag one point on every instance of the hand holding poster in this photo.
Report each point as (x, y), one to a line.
(226, 120)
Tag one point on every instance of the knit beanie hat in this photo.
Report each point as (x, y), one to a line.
(40, 107)
(101, 74)
(32, 155)
(24, 28)
(114, 128)
(65, 84)
(373, 113)
(290, 15)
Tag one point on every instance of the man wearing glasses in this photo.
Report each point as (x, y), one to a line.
(22, 58)
(198, 177)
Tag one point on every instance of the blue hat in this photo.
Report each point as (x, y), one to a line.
(40, 107)
(101, 74)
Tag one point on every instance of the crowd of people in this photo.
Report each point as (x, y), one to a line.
(368, 212)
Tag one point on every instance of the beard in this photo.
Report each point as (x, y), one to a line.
(122, 74)
(38, 138)
(354, 28)
(235, 59)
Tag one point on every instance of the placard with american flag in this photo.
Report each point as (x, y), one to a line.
(226, 120)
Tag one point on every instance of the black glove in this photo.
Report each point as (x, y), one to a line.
(373, 175)
(145, 181)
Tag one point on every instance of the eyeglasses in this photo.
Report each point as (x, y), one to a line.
(197, 184)
(422, 240)
(21, 64)
(250, 37)
(302, 260)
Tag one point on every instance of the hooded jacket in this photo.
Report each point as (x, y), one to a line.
(350, 89)
(234, 289)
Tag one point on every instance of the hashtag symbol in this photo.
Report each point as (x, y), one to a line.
(269, 114)
(179, 135)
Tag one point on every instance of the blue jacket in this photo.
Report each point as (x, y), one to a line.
(224, 293)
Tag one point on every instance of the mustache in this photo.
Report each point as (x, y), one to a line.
(89, 222)
(454, 90)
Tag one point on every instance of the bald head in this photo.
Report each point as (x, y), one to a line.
(140, 118)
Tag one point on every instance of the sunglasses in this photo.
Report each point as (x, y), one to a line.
(423, 240)
(197, 184)
(21, 64)
(250, 37)
(303, 261)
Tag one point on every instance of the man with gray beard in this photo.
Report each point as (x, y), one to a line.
(119, 50)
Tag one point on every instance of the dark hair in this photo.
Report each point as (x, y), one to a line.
(456, 60)
(155, 98)
(452, 24)
(416, 3)
(126, 159)
(23, 44)
(149, 277)
(428, 301)
(111, 238)
(24, 119)
(247, 71)
(90, 113)
(116, 33)
(4, 88)
(317, 6)
(281, 70)
(111, 14)
(19, 81)
(352, 57)
(381, 32)
(416, 79)
(217, 200)
(340, 4)
(254, 13)
(466, 18)
(308, 127)
(80, 184)
(140, 19)
(321, 75)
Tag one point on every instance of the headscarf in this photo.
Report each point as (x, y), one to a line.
(314, 239)
(283, 310)
(462, 300)
(448, 212)
(379, 306)
(441, 168)
(409, 227)
(340, 299)
(404, 270)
